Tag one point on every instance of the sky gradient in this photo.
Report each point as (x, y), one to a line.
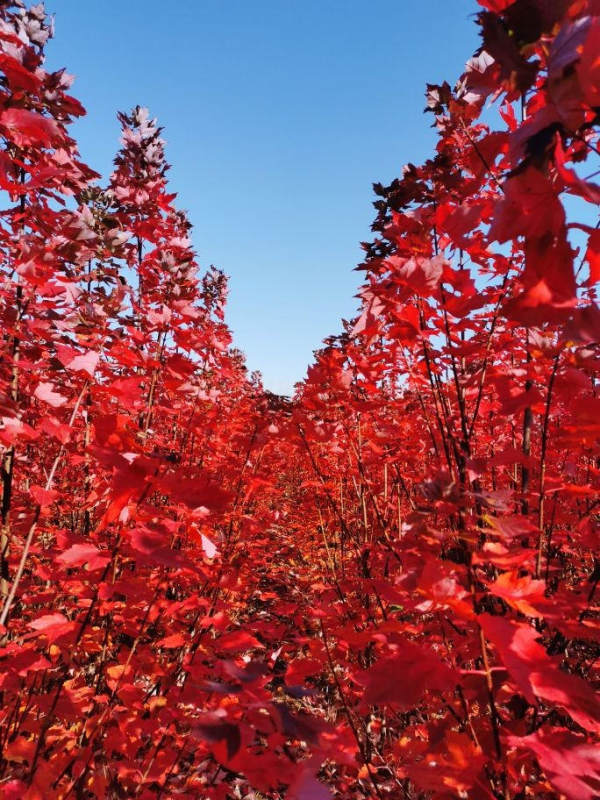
(278, 117)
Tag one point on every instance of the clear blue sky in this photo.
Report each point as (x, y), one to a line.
(278, 116)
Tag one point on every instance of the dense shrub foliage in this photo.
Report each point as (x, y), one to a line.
(385, 587)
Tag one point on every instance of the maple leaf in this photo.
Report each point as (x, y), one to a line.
(15, 789)
(454, 764)
(42, 496)
(518, 72)
(51, 426)
(512, 526)
(584, 325)
(442, 589)
(130, 476)
(27, 128)
(496, 5)
(529, 207)
(48, 620)
(522, 593)
(46, 393)
(537, 675)
(82, 553)
(19, 77)
(307, 787)
(573, 183)
(592, 256)
(209, 548)
(237, 641)
(52, 626)
(567, 45)
(421, 275)
(14, 429)
(20, 750)
(571, 763)
(194, 492)
(74, 360)
(588, 68)
(214, 727)
(421, 671)
(172, 642)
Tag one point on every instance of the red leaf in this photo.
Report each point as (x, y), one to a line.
(74, 360)
(20, 750)
(520, 592)
(14, 429)
(571, 764)
(53, 626)
(26, 128)
(495, 5)
(42, 496)
(454, 764)
(588, 69)
(214, 727)
(307, 787)
(420, 275)
(18, 76)
(51, 426)
(79, 554)
(172, 642)
(592, 256)
(209, 548)
(14, 790)
(47, 621)
(236, 642)
(153, 547)
(512, 527)
(46, 393)
(537, 675)
(420, 669)
(194, 492)
(529, 207)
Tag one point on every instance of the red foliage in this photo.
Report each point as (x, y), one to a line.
(386, 587)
